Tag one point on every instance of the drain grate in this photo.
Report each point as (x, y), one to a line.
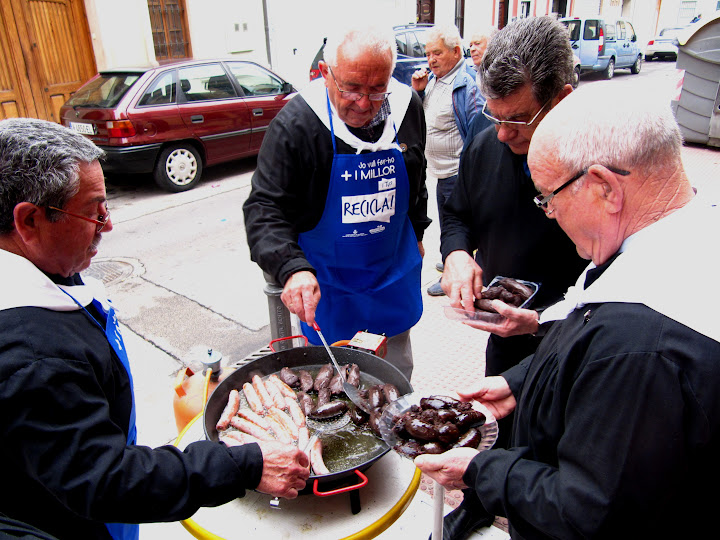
(111, 271)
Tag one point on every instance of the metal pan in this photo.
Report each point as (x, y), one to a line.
(373, 370)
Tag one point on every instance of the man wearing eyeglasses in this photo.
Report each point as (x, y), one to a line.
(67, 426)
(338, 205)
(617, 414)
(526, 71)
(451, 101)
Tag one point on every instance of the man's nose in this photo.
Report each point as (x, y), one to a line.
(505, 133)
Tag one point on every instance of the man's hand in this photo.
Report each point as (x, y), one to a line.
(285, 469)
(419, 79)
(421, 249)
(494, 393)
(462, 280)
(301, 295)
(516, 322)
(447, 468)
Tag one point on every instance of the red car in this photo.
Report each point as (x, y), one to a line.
(175, 119)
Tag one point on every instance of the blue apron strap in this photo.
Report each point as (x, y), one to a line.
(118, 531)
(332, 131)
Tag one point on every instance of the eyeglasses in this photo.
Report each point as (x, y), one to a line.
(357, 96)
(542, 202)
(512, 123)
(100, 222)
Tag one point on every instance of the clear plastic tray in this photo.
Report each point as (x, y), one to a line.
(459, 314)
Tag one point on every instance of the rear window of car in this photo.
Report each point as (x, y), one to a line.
(161, 91)
(103, 92)
(573, 29)
(590, 33)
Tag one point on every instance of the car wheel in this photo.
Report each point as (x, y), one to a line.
(635, 69)
(178, 168)
(610, 69)
(576, 77)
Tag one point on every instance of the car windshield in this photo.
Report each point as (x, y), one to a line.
(103, 92)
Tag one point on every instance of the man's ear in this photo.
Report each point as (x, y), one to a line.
(607, 187)
(27, 219)
(324, 71)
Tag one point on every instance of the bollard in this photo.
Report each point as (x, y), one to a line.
(280, 321)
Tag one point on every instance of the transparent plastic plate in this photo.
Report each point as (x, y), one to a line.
(459, 314)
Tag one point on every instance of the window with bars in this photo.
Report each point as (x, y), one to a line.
(169, 29)
(686, 11)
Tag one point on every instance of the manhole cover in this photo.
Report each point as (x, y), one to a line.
(111, 271)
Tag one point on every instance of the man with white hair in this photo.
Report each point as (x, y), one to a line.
(451, 100)
(617, 415)
(338, 203)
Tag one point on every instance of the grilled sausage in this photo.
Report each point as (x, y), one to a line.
(289, 377)
(353, 376)
(230, 410)
(322, 379)
(330, 409)
(251, 429)
(390, 392)
(306, 403)
(253, 399)
(306, 381)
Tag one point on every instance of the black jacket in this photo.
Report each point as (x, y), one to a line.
(290, 184)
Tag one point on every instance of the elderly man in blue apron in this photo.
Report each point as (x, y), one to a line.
(338, 204)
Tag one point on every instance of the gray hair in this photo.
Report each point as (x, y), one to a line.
(633, 133)
(39, 164)
(533, 51)
(361, 40)
(448, 34)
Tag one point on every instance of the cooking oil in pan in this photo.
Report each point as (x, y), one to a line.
(350, 447)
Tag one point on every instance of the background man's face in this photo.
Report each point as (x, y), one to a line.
(441, 59)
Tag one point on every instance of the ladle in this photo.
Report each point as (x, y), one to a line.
(348, 388)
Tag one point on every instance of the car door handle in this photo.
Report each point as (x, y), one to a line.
(258, 112)
(197, 119)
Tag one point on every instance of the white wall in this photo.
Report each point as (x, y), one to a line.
(297, 28)
(120, 37)
(222, 28)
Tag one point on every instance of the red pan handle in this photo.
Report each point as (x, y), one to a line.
(363, 483)
(284, 338)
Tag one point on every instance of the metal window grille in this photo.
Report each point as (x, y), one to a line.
(169, 29)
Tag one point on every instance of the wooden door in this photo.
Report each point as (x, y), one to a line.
(47, 55)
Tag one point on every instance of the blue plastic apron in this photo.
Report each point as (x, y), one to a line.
(364, 248)
(119, 531)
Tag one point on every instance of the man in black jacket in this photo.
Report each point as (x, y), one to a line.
(338, 205)
(68, 416)
(491, 226)
(617, 415)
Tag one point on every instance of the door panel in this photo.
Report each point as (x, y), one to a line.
(263, 96)
(213, 112)
(47, 48)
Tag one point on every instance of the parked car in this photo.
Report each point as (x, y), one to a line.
(410, 39)
(604, 45)
(178, 118)
(577, 70)
(663, 45)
